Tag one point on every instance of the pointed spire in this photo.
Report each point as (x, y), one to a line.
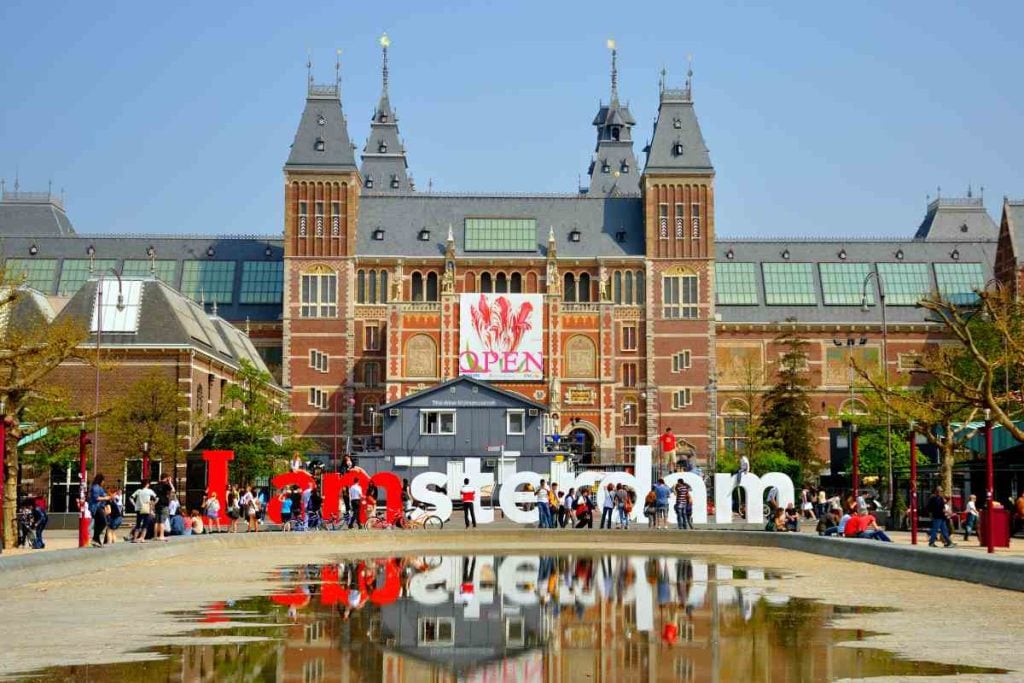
(337, 70)
(451, 235)
(309, 68)
(661, 80)
(214, 312)
(615, 70)
(689, 74)
(385, 42)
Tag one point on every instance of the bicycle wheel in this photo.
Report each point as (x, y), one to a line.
(376, 523)
(433, 522)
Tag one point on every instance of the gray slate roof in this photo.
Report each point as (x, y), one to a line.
(322, 104)
(465, 379)
(1014, 212)
(957, 218)
(827, 251)
(677, 123)
(623, 176)
(597, 218)
(177, 248)
(25, 213)
(379, 167)
(168, 319)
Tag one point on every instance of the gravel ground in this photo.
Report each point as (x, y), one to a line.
(108, 614)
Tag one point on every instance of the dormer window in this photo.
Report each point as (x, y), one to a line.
(383, 117)
(575, 235)
(963, 228)
(955, 254)
(382, 147)
(615, 132)
(319, 145)
(424, 235)
(677, 123)
(378, 234)
(620, 236)
(368, 182)
(677, 149)
(606, 167)
(394, 181)
(625, 167)
(320, 120)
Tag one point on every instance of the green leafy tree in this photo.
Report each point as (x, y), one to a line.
(254, 425)
(60, 444)
(786, 414)
(148, 413)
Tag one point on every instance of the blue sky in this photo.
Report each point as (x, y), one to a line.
(823, 119)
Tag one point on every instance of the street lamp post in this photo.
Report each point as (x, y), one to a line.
(145, 461)
(856, 459)
(83, 501)
(989, 481)
(913, 484)
(885, 366)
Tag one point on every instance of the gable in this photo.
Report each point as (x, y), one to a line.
(464, 392)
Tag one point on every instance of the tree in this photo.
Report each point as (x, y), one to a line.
(30, 349)
(148, 412)
(253, 425)
(59, 446)
(787, 408)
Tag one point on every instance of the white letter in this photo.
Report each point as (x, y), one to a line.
(509, 497)
(698, 491)
(471, 471)
(441, 502)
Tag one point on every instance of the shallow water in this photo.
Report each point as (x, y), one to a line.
(516, 618)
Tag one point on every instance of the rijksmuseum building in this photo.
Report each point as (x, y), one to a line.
(613, 311)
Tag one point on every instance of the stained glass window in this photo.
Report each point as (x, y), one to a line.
(958, 281)
(789, 284)
(75, 271)
(905, 283)
(208, 281)
(37, 273)
(501, 234)
(842, 284)
(735, 285)
(262, 282)
(162, 269)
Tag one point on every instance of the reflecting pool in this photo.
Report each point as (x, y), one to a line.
(516, 618)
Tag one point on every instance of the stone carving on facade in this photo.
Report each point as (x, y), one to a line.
(448, 279)
(580, 357)
(420, 357)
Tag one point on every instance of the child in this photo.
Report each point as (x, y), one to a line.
(197, 524)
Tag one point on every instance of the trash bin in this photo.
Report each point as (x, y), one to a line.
(999, 527)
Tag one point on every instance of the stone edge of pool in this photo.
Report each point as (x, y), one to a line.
(996, 572)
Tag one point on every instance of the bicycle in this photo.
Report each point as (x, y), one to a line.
(422, 520)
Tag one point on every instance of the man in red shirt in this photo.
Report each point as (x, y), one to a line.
(668, 446)
(856, 525)
(468, 494)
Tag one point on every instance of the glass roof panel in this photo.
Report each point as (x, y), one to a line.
(162, 269)
(789, 284)
(842, 284)
(37, 273)
(75, 271)
(208, 281)
(262, 282)
(735, 284)
(501, 234)
(958, 281)
(905, 283)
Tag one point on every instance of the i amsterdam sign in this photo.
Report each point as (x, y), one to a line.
(512, 496)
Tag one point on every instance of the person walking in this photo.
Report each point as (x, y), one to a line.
(355, 504)
(468, 493)
(585, 509)
(661, 494)
(607, 507)
(39, 521)
(98, 505)
(683, 505)
(164, 491)
(569, 504)
(115, 516)
(232, 506)
(143, 500)
(249, 506)
(936, 508)
(286, 510)
(971, 521)
(544, 506)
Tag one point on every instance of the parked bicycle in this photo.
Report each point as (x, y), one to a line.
(413, 519)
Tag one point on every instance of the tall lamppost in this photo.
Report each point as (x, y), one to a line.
(145, 461)
(989, 482)
(885, 365)
(99, 333)
(1001, 288)
(912, 435)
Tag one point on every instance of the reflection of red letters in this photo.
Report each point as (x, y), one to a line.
(350, 478)
(389, 592)
(295, 598)
(300, 478)
(214, 614)
(331, 590)
(217, 478)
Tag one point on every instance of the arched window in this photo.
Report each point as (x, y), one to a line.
(420, 357)
(531, 283)
(617, 287)
(371, 290)
(431, 286)
(501, 283)
(580, 357)
(361, 287)
(417, 286)
(853, 406)
(516, 283)
(641, 289)
(485, 283)
(319, 292)
(629, 288)
(679, 293)
(584, 288)
(569, 288)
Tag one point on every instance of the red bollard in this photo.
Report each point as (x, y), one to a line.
(83, 500)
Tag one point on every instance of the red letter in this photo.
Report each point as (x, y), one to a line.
(217, 478)
(331, 493)
(350, 478)
(391, 485)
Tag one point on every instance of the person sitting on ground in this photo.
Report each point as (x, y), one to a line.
(792, 518)
(829, 524)
(197, 524)
(844, 519)
(778, 521)
(867, 526)
(177, 525)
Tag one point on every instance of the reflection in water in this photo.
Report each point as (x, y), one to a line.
(517, 618)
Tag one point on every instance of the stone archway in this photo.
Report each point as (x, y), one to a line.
(590, 446)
